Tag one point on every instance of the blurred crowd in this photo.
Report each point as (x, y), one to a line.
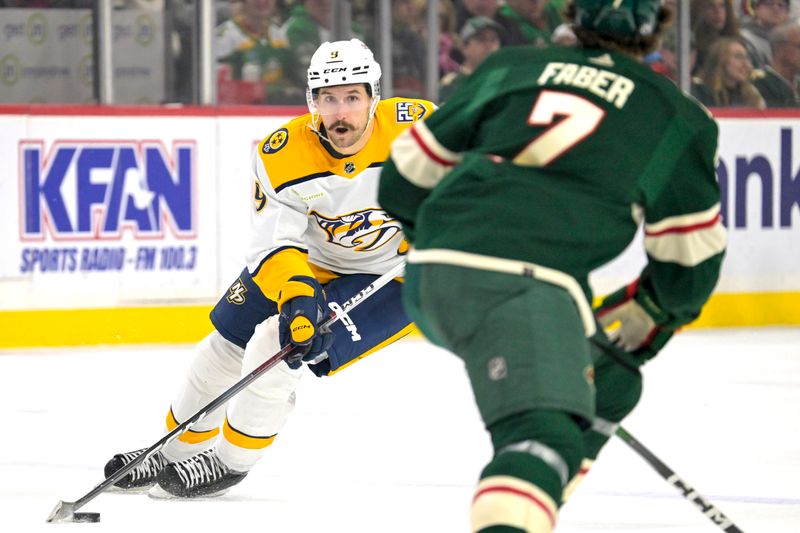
(264, 45)
(744, 53)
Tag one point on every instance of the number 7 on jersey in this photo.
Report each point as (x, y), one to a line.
(582, 118)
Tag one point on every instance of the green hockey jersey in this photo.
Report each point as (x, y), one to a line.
(555, 157)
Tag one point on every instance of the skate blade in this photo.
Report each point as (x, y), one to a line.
(135, 490)
(158, 493)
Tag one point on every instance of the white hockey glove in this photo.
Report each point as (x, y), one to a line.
(633, 322)
(627, 325)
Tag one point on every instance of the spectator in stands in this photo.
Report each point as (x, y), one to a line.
(528, 21)
(38, 4)
(480, 36)
(254, 65)
(466, 9)
(724, 80)
(777, 82)
(711, 19)
(767, 14)
(365, 13)
(450, 57)
(554, 11)
(408, 49)
(564, 35)
(662, 59)
(152, 5)
(309, 25)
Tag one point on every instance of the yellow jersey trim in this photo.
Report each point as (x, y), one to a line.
(397, 336)
(276, 270)
(301, 155)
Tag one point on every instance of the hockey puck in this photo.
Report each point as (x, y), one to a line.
(85, 517)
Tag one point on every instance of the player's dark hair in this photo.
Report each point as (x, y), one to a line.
(637, 45)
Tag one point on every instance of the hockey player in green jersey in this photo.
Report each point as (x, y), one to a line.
(537, 171)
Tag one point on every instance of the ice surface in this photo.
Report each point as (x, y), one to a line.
(394, 444)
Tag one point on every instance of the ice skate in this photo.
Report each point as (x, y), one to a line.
(203, 475)
(142, 476)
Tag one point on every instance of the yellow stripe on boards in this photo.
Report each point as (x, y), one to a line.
(125, 325)
(242, 440)
(726, 310)
(190, 436)
(189, 324)
(748, 310)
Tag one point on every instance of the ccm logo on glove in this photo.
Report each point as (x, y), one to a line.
(301, 328)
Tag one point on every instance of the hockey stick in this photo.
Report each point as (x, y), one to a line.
(65, 511)
(686, 490)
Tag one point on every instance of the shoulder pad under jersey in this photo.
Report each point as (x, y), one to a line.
(287, 152)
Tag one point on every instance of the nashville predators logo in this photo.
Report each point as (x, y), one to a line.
(363, 231)
(236, 293)
(410, 111)
(276, 141)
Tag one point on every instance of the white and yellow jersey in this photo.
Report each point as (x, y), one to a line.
(316, 213)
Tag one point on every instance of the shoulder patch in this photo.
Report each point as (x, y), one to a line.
(409, 111)
(276, 141)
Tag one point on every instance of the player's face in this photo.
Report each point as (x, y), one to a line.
(344, 111)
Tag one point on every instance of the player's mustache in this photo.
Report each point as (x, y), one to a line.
(341, 124)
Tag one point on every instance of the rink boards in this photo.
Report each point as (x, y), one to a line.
(125, 224)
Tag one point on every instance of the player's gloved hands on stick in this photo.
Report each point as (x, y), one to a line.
(302, 305)
(637, 319)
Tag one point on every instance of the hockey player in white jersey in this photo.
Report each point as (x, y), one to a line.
(318, 235)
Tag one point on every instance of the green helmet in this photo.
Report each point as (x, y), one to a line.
(624, 18)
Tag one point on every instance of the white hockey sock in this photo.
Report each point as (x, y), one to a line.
(259, 412)
(586, 464)
(512, 502)
(216, 366)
